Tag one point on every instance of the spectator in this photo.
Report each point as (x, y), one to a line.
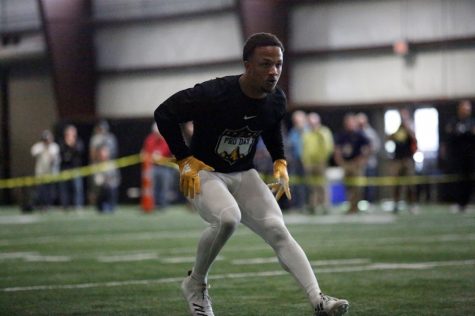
(351, 153)
(317, 147)
(402, 164)
(106, 182)
(71, 152)
(47, 159)
(296, 170)
(371, 170)
(461, 152)
(163, 176)
(101, 137)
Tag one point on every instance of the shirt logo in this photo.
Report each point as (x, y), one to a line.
(234, 145)
(249, 117)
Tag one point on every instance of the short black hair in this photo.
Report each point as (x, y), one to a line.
(258, 40)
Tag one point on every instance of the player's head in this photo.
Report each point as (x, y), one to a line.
(260, 40)
(263, 58)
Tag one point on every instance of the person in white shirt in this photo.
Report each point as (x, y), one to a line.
(46, 154)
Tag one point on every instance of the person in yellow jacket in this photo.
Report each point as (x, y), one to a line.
(317, 148)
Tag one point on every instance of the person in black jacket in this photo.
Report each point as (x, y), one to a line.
(461, 152)
(216, 170)
(71, 149)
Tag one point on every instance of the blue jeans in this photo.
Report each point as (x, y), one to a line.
(371, 192)
(299, 188)
(163, 182)
(71, 193)
(45, 195)
(107, 199)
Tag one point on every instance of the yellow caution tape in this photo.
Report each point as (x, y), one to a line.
(85, 171)
(382, 180)
(170, 162)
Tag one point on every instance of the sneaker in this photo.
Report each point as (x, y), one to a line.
(197, 297)
(330, 306)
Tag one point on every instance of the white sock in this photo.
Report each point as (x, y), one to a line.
(198, 278)
(314, 295)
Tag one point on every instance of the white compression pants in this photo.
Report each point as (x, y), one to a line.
(228, 199)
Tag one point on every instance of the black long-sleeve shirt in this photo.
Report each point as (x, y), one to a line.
(227, 123)
(461, 136)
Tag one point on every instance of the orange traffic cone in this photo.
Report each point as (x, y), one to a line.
(147, 202)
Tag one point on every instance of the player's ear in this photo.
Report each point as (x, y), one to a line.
(247, 65)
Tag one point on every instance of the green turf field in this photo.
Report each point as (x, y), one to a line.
(129, 263)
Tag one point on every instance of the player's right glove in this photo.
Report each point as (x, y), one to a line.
(282, 185)
(189, 178)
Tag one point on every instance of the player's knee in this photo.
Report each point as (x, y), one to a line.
(277, 233)
(229, 220)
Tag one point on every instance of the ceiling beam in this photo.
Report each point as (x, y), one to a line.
(69, 38)
(271, 16)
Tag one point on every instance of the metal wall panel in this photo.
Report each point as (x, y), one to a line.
(139, 95)
(171, 42)
(384, 78)
(126, 9)
(340, 24)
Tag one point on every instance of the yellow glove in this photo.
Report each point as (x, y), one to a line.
(189, 179)
(282, 184)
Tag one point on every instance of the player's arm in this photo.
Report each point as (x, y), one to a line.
(182, 107)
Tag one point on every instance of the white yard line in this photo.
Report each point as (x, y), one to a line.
(15, 255)
(339, 262)
(189, 259)
(108, 237)
(339, 219)
(18, 219)
(158, 235)
(128, 257)
(32, 257)
(317, 263)
(370, 267)
(255, 261)
(176, 235)
(41, 258)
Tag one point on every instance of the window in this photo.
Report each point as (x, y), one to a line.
(392, 120)
(426, 121)
(426, 125)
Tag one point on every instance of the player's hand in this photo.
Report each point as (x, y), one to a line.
(189, 178)
(282, 185)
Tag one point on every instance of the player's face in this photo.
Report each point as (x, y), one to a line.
(264, 68)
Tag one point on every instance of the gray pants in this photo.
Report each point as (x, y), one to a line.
(228, 199)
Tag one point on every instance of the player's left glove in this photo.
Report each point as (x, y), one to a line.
(282, 185)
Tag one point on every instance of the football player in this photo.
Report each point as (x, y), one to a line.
(216, 170)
